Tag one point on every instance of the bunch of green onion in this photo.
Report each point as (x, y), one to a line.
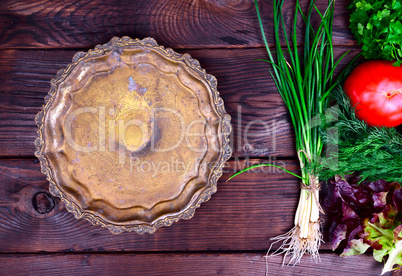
(304, 77)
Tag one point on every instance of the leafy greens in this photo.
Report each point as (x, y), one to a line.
(353, 147)
(377, 26)
(370, 217)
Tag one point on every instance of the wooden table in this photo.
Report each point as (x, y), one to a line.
(229, 235)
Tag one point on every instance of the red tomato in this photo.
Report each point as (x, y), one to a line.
(376, 88)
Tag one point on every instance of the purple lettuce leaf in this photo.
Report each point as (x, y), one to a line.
(380, 200)
(397, 199)
(338, 235)
(378, 186)
(348, 212)
(366, 215)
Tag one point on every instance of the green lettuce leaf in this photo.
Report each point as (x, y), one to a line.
(355, 247)
(384, 233)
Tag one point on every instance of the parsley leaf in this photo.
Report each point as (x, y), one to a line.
(377, 26)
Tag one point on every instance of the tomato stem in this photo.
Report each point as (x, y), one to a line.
(391, 93)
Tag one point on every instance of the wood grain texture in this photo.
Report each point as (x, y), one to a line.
(242, 215)
(228, 234)
(260, 122)
(180, 24)
(243, 83)
(184, 264)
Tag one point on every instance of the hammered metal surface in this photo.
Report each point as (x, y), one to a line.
(133, 136)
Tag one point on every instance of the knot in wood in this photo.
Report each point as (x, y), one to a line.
(43, 202)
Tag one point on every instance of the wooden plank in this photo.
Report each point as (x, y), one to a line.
(179, 24)
(26, 75)
(260, 123)
(242, 215)
(183, 264)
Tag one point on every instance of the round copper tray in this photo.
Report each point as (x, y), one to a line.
(133, 136)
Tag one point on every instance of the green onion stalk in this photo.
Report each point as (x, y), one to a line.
(304, 77)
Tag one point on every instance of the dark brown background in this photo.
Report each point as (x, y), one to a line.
(229, 235)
